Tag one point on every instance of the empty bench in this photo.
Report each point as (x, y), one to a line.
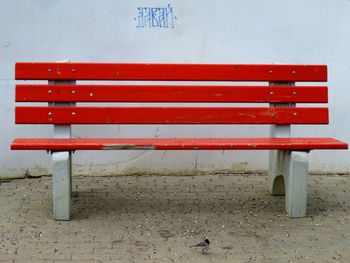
(288, 159)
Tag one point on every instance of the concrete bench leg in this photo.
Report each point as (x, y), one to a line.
(275, 174)
(62, 170)
(295, 177)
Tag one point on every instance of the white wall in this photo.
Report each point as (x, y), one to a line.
(206, 31)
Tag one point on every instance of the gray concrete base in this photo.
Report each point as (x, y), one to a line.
(62, 170)
(288, 176)
(275, 173)
(295, 177)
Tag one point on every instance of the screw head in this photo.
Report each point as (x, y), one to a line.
(73, 113)
(50, 114)
(49, 70)
(73, 91)
(293, 72)
(270, 71)
(73, 70)
(49, 91)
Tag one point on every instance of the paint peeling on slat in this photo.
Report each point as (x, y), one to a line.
(127, 147)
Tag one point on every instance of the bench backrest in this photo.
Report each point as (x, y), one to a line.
(62, 93)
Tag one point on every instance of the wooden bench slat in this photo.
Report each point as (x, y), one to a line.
(177, 144)
(170, 93)
(169, 115)
(170, 72)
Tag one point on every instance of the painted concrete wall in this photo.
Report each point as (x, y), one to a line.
(202, 31)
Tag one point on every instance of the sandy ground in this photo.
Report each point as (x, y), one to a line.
(156, 218)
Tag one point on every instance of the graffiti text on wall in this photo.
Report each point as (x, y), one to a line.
(153, 17)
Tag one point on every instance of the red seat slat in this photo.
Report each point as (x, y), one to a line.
(169, 115)
(170, 93)
(176, 72)
(177, 144)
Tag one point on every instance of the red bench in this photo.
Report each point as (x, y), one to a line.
(288, 166)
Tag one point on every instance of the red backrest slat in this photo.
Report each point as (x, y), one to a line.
(162, 93)
(171, 72)
(169, 115)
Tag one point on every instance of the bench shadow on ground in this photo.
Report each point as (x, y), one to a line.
(246, 198)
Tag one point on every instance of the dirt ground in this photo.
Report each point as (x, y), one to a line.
(157, 218)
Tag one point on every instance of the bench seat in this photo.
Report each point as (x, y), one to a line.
(72, 144)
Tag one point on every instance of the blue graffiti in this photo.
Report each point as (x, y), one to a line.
(155, 17)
